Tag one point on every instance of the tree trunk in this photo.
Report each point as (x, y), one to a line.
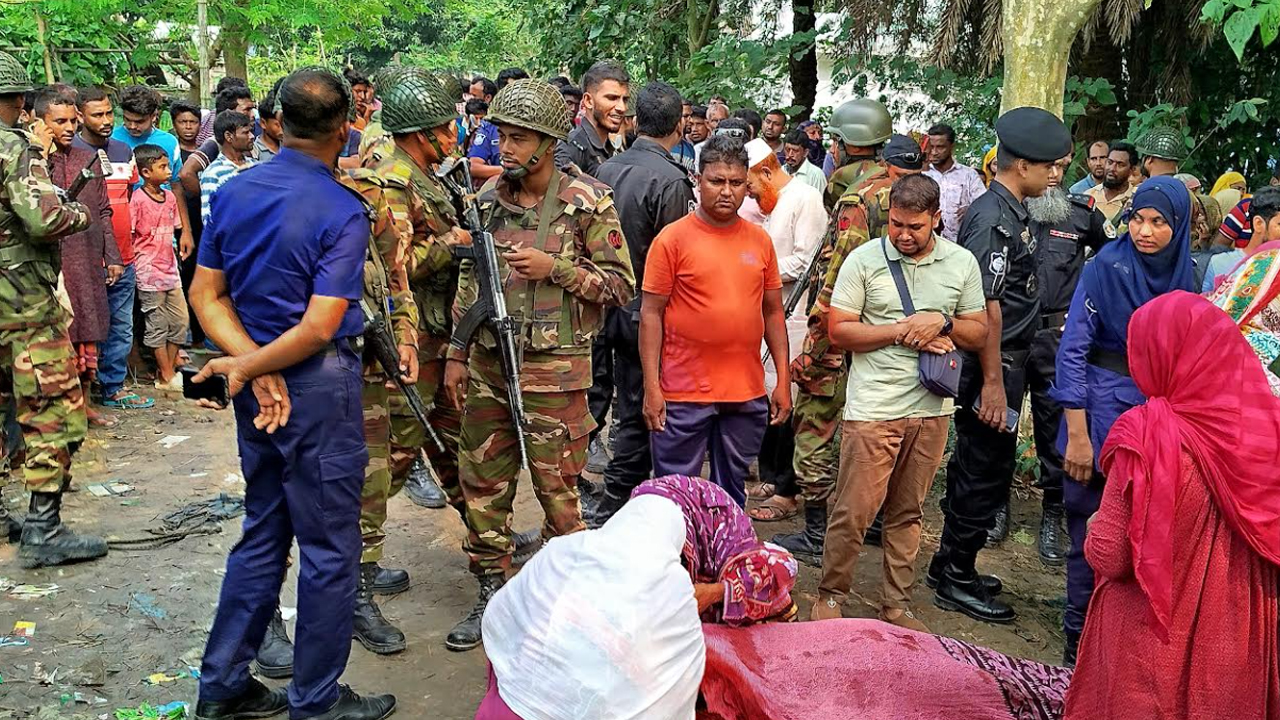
(1037, 37)
(42, 37)
(235, 53)
(804, 71)
(1104, 59)
(699, 21)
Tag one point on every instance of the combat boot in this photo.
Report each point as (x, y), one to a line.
(370, 628)
(10, 528)
(351, 706)
(275, 655)
(466, 634)
(46, 541)
(1000, 530)
(1051, 541)
(807, 544)
(527, 544)
(390, 581)
(597, 457)
(422, 488)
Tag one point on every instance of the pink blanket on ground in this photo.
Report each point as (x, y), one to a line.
(869, 670)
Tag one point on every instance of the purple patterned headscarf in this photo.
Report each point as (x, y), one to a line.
(721, 547)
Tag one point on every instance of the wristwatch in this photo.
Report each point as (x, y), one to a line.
(947, 325)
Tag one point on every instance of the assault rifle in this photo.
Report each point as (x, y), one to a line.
(798, 290)
(490, 307)
(377, 333)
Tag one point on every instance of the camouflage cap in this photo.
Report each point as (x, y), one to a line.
(13, 76)
(1163, 142)
(533, 104)
(863, 122)
(415, 101)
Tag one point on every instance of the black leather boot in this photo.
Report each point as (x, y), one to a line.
(466, 634)
(1052, 544)
(257, 701)
(275, 655)
(46, 541)
(421, 487)
(993, 584)
(605, 507)
(390, 581)
(527, 544)
(370, 628)
(10, 528)
(351, 706)
(965, 593)
(875, 533)
(807, 544)
(1000, 530)
(1070, 649)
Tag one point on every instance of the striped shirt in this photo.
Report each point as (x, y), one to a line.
(213, 177)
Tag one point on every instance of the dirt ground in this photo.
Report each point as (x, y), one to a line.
(112, 624)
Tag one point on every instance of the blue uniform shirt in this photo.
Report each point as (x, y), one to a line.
(283, 231)
(484, 144)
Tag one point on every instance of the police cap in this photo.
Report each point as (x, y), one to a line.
(901, 151)
(1033, 134)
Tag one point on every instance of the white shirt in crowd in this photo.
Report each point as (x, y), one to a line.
(796, 227)
(960, 186)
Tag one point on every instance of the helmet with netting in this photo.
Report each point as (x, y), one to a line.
(13, 76)
(1163, 142)
(452, 86)
(532, 104)
(862, 123)
(413, 101)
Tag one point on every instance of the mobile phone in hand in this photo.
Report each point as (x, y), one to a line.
(214, 388)
(1010, 416)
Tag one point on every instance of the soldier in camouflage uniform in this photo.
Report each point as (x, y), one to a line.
(861, 127)
(37, 362)
(562, 260)
(821, 370)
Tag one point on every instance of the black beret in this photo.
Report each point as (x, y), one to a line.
(903, 152)
(1033, 134)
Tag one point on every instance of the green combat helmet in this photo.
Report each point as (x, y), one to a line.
(532, 104)
(1163, 142)
(13, 76)
(862, 123)
(414, 101)
(452, 86)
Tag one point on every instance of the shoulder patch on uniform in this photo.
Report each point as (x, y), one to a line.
(1085, 201)
(1000, 229)
(615, 239)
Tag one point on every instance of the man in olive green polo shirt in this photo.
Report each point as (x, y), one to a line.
(895, 430)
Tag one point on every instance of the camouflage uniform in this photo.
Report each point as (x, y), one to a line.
(821, 370)
(559, 318)
(37, 361)
(853, 175)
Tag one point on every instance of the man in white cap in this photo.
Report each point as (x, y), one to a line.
(795, 217)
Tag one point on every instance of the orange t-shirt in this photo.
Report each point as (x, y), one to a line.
(715, 278)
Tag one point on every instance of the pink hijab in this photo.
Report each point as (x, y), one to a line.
(1206, 393)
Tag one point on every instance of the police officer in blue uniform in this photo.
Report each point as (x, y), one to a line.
(279, 276)
(995, 230)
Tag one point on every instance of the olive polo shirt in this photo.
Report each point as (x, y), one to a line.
(884, 384)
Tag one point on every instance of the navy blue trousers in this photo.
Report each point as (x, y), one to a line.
(1081, 503)
(302, 481)
(731, 431)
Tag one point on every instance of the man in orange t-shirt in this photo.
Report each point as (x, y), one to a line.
(711, 293)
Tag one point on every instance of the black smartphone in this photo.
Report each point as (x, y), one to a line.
(214, 388)
(1010, 416)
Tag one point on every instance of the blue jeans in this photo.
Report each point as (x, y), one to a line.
(303, 481)
(113, 360)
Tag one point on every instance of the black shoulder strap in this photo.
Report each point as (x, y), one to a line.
(895, 269)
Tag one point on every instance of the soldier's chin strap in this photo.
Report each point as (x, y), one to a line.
(527, 167)
(434, 142)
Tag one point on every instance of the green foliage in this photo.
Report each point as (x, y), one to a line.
(1241, 18)
(1241, 119)
(745, 71)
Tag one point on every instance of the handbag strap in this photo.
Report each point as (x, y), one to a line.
(895, 269)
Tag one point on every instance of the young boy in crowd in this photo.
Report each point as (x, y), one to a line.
(154, 211)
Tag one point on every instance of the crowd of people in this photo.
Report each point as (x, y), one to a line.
(732, 290)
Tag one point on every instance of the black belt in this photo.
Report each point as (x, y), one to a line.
(1116, 362)
(1053, 321)
(354, 344)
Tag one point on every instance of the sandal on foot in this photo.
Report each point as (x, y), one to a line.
(127, 401)
(771, 511)
(761, 491)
